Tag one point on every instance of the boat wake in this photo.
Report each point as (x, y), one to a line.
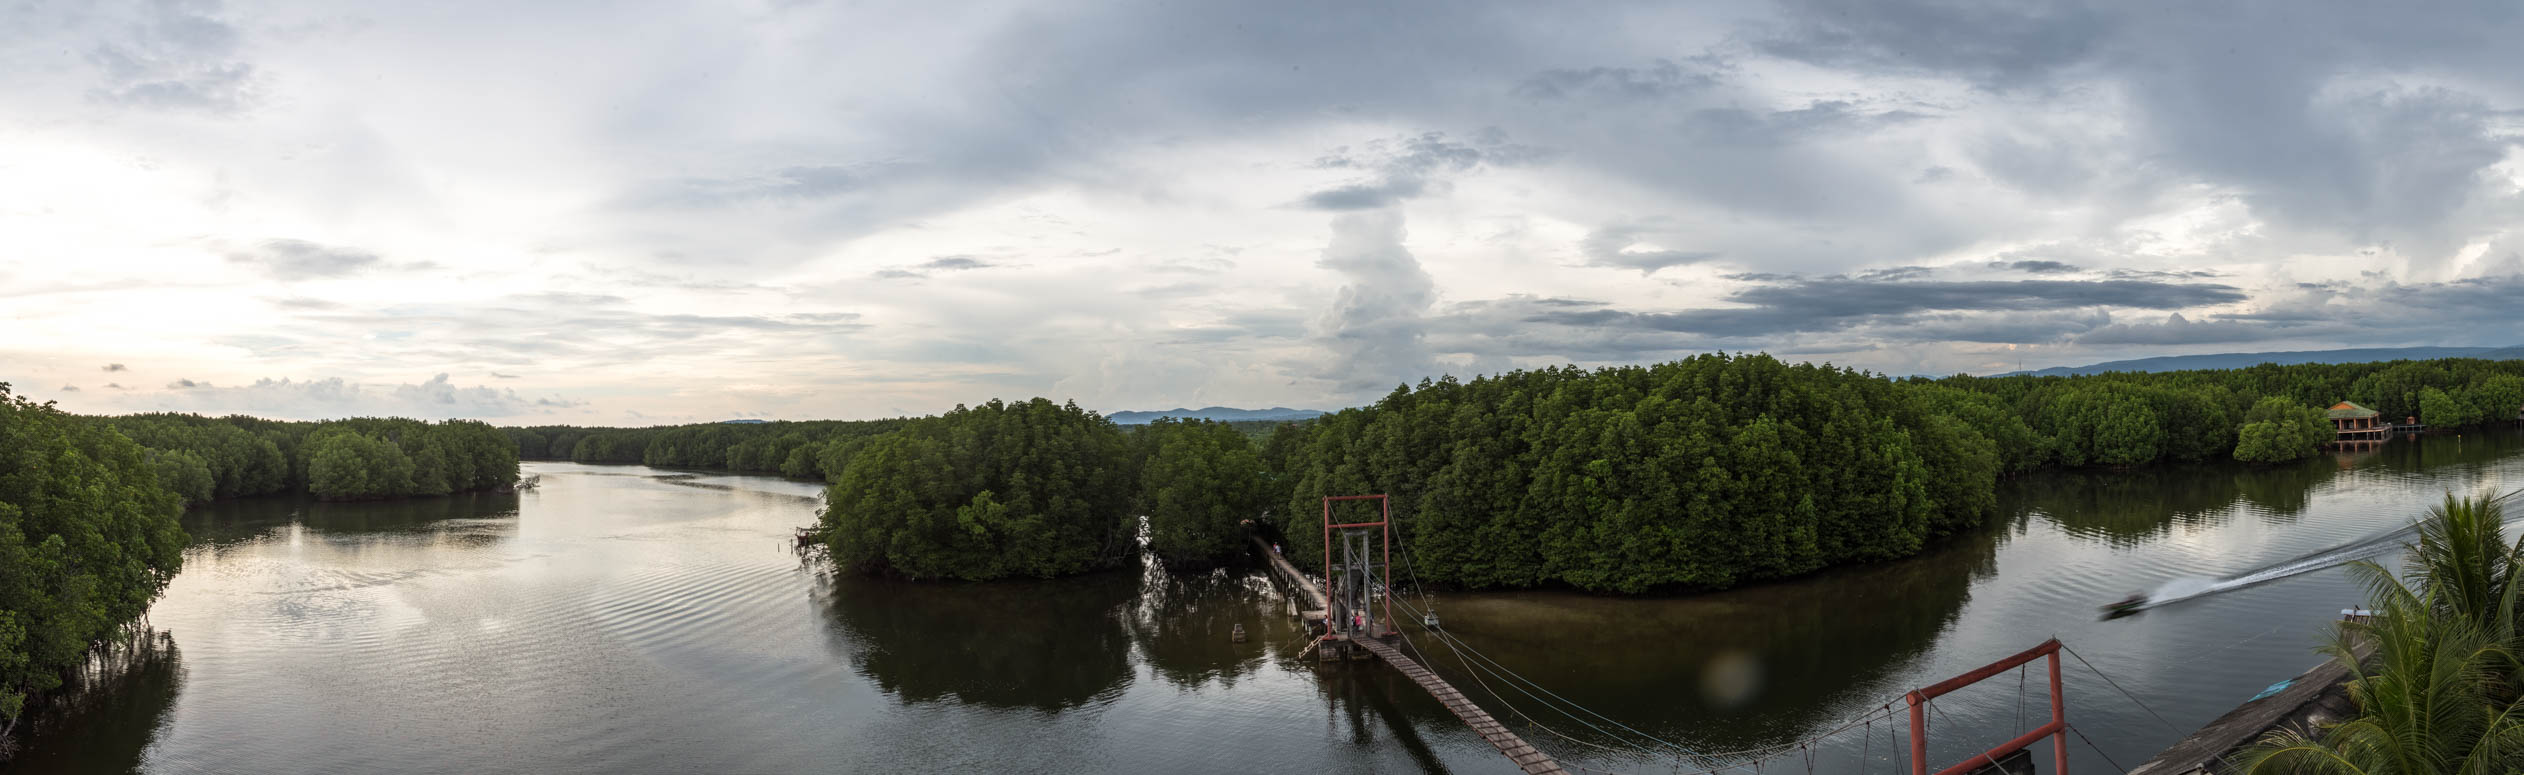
(2370, 547)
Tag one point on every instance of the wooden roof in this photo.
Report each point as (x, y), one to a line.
(2349, 411)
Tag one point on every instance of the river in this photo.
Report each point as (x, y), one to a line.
(625, 619)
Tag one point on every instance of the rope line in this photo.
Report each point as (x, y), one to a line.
(2116, 686)
(2107, 758)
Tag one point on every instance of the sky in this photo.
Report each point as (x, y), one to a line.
(633, 213)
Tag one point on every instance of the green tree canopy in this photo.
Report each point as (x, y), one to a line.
(992, 491)
(87, 539)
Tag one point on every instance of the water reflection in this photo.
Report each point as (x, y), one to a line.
(1185, 624)
(226, 522)
(106, 716)
(1047, 645)
(1749, 667)
(2132, 507)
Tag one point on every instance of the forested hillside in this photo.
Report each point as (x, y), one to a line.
(87, 539)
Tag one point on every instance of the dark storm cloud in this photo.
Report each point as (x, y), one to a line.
(2177, 330)
(2024, 311)
(290, 259)
(1838, 297)
(1739, 126)
(1404, 167)
(2036, 266)
(1660, 80)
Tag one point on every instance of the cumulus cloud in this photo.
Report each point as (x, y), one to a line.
(1374, 330)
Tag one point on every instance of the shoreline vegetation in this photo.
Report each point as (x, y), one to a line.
(1697, 474)
(88, 538)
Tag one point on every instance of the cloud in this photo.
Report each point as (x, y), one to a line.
(1624, 246)
(115, 367)
(436, 398)
(1660, 80)
(2177, 330)
(290, 259)
(1374, 330)
(115, 386)
(933, 266)
(2036, 266)
(497, 375)
(186, 384)
(176, 56)
(1781, 312)
(2365, 122)
(1406, 167)
(69, 388)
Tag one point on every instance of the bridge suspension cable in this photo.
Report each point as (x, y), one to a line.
(1478, 663)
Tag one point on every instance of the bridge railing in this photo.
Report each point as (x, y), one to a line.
(2057, 730)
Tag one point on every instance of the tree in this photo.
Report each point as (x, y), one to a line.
(349, 465)
(2439, 695)
(2277, 430)
(87, 539)
(992, 491)
(1199, 481)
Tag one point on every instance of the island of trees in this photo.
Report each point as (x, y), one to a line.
(1701, 473)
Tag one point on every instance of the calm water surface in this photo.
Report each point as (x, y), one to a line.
(626, 619)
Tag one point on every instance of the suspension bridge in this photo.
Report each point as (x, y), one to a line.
(1350, 613)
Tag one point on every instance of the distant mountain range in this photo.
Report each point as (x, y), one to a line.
(1276, 413)
(2242, 360)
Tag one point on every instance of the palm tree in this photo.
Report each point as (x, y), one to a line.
(2438, 694)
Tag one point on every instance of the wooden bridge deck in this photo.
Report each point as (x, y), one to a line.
(1515, 748)
(1534, 761)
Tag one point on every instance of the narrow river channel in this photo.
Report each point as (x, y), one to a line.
(625, 619)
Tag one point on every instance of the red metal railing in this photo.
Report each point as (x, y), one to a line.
(2057, 730)
(1385, 522)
